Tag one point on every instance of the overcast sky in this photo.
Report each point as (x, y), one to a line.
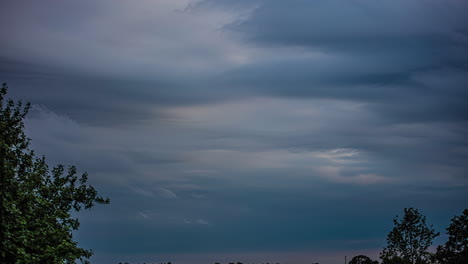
(289, 131)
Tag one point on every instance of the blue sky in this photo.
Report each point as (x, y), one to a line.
(258, 130)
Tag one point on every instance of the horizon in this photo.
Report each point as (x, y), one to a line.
(250, 130)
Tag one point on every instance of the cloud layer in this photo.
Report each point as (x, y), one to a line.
(224, 128)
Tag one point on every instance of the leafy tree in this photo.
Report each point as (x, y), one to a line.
(361, 259)
(37, 202)
(455, 250)
(409, 240)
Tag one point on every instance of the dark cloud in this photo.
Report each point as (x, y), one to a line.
(365, 26)
(98, 100)
(363, 50)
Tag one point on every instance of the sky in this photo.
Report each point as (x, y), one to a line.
(256, 131)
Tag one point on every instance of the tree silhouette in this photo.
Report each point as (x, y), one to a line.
(362, 259)
(37, 202)
(455, 250)
(409, 240)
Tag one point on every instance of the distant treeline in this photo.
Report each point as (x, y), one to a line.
(148, 263)
(214, 263)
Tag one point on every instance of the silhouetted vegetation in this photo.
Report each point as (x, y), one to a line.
(455, 250)
(361, 259)
(37, 202)
(409, 240)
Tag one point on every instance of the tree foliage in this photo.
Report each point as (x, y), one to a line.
(37, 202)
(455, 250)
(409, 240)
(362, 259)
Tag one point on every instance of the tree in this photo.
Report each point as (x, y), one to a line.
(455, 250)
(361, 259)
(409, 240)
(37, 202)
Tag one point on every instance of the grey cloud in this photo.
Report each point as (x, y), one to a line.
(117, 38)
(362, 50)
(386, 25)
(115, 64)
